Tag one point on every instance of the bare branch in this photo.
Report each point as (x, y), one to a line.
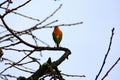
(26, 16)
(23, 15)
(16, 8)
(36, 39)
(8, 75)
(50, 15)
(3, 3)
(44, 69)
(73, 75)
(17, 62)
(16, 39)
(11, 31)
(35, 26)
(18, 50)
(23, 70)
(105, 55)
(21, 64)
(12, 44)
(71, 24)
(9, 2)
(111, 68)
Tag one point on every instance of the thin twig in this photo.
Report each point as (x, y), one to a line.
(106, 55)
(71, 24)
(50, 15)
(21, 64)
(17, 62)
(8, 75)
(34, 59)
(26, 16)
(18, 50)
(46, 25)
(23, 15)
(111, 68)
(2, 3)
(23, 69)
(73, 75)
(12, 44)
(35, 26)
(9, 1)
(16, 8)
(11, 31)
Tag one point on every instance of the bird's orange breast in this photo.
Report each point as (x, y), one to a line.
(57, 31)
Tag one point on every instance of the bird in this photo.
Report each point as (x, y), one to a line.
(57, 35)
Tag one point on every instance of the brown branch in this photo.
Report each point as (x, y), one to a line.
(50, 15)
(17, 62)
(61, 59)
(23, 70)
(11, 31)
(4, 38)
(33, 59)
(29, 62)
(21, 65)
(12, 44)
(36, 39)
(111, 68)
(26, 16)
(28, 44)
(35, 26)
(72, 24)
(16, 8)
(23, 15)
(73, 75)
(35, 48)
(18, 50)
(8, 75)
(44, 69)
(106, 55)
(9, 2)
(3, 3)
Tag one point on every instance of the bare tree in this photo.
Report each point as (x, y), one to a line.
(10, 39)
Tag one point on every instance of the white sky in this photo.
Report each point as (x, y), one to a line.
(88, 42)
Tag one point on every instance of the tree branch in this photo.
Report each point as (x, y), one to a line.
(111, 68)
(73, 75)
(11, 31)
(16, 8)
(105, 55)
(44, 69)
(3, 3)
